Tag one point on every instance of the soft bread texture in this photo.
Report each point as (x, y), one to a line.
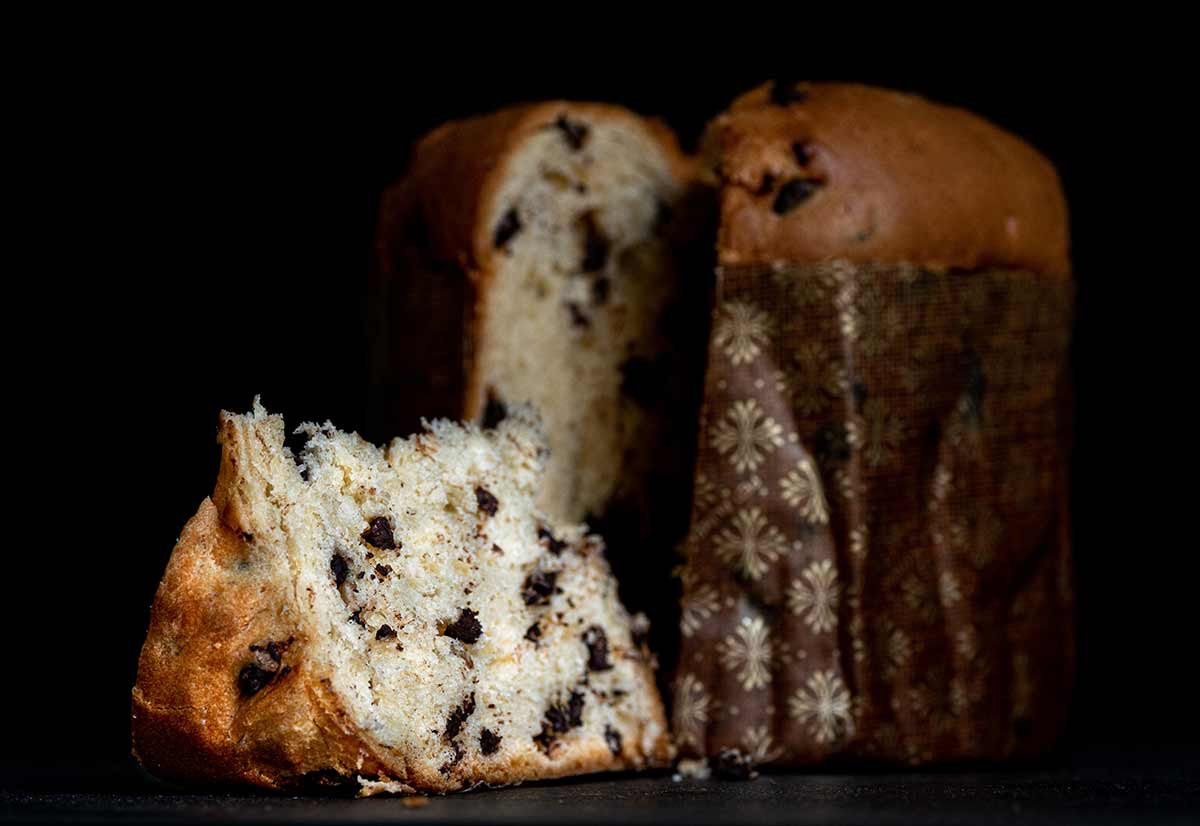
(401, 616)
(813, 171)
(528, 257)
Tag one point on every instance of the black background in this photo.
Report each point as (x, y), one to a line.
(207, 237)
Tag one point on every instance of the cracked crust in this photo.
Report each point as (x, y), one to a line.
(898, 179)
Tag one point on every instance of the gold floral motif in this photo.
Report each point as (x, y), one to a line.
(824, 703)
(802, 489)
(760, 746)
(747, 434)
(814, 378)
(750, 544)
(698, 604)
(815, 597)
(691, 711)
(748, 653)
(741, 331)
(966, 642)
(948, 589)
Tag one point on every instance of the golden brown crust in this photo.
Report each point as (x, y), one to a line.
(191, 721)
(899, 179)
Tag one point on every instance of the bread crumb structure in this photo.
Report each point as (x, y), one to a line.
(402, 616)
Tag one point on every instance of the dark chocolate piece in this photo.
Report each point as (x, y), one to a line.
(574, 132)
(538, 587)
(597, 644)
(793, 193)
(509, 226)
(489, 741)
(494, 412)
(459, 715)
(379, 534)
(340, 568)
(486, 500)
(466, 628)
(385, 631)
(613, 738)
(731, 764)
(252, 679)
(549, 541)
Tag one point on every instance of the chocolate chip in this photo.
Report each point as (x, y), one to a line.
(382, 571)
(766, 184)
(247, 537)
(487, 501)
(533, 633)
(595, 245)
(557, 719)
(784, 92)
(578, 319)
(575, 709)
(545, 741)
(509, 226)
(494, 411)
(576, 133)
(340, 568)
(613, 738)
(357, 617)
(600, 290)
(458, 716)
(538, 587)
(466, 628)
(731, 764)
(252, 679)
(549, 541)
(379, 534)
(793, 193)
(802, 152)
(489, 741)
(385, 631)
(597, 645)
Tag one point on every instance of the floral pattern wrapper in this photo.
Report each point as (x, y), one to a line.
(878, 560)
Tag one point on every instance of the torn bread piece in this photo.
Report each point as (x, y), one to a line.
(401, 617)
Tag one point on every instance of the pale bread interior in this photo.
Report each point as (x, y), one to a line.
(459, 506)
(572, 319)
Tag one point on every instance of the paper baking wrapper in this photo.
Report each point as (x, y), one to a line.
(878, 559)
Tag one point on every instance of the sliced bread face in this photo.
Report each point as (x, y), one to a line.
(402, 615)
(573, 301)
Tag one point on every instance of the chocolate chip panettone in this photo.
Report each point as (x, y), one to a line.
(534, 256)
(878, 562)
(401, 617)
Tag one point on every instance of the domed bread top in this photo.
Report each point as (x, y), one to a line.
(457, 171)
(811, 171)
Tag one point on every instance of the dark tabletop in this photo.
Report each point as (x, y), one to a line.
(1095, 788)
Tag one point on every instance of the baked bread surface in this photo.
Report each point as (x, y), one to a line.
(399, 617)
(814, 171)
